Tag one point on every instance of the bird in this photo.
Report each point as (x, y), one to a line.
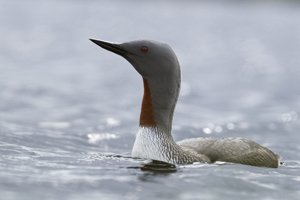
(159, 67)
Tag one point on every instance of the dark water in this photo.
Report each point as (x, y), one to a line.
(67, 107)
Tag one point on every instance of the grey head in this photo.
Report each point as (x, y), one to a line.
(149, 58)
(157, 63)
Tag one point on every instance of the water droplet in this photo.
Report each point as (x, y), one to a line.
(230, 126)
(218, 129)
(207, 130)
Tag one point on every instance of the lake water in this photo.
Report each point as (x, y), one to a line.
(68, 108)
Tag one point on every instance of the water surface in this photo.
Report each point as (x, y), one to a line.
(69, 108)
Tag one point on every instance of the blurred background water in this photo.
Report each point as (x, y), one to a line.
(67, 106)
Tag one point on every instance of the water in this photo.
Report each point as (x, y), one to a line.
(69, 108)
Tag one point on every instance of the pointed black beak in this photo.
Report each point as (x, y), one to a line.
(116, 48)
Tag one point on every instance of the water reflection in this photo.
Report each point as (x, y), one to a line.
(154, 169)
(159, 167)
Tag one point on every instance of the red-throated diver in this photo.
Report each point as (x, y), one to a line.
(158, 65)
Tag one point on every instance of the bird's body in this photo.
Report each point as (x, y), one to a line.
(158, 65)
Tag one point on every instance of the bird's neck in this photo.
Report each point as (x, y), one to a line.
(147, 113)
(159, 101)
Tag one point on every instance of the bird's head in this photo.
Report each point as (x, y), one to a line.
(151, 59)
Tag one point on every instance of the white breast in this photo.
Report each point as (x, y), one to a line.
(150, 143)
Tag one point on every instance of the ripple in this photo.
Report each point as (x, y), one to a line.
(197, 165)
(264, 185)
(289, 116)
(54, 125)
(94, 138)
(112, 122)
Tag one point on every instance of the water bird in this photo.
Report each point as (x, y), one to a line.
(158, 65)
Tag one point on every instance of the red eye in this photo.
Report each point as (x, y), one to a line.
(144, 49)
